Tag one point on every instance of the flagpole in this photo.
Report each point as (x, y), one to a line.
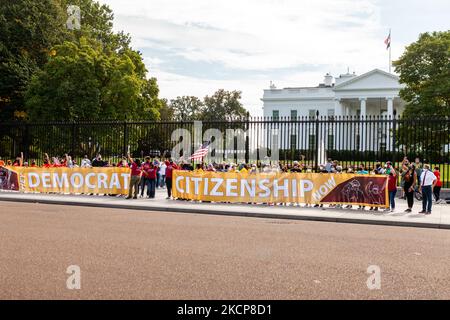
(390, 51)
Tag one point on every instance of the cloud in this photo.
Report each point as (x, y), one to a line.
(255, 35)
(197, 47)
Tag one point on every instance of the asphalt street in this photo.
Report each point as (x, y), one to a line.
(128, 254)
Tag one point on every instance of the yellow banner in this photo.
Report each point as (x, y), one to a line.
(74, 180)
(310, 188)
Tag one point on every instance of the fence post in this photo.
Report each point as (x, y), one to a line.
(125, 137)
(26, 145)
(247, 142)
(394, 138)
(73, 138)
(317, 142)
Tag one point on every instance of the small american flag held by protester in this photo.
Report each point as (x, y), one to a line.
(201, 152)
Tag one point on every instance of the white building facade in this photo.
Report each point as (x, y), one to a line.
(368, 96)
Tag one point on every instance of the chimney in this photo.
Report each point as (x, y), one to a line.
(328, 80)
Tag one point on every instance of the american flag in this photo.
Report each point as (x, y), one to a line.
(201, 152)
(387, 42)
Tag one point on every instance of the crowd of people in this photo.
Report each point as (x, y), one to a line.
(149, 174)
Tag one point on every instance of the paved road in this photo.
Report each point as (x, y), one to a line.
(125, 254)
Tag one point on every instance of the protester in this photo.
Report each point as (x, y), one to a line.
(403, 170)
(145, 179)
(392, 185)
(162, 174)
(438, 185)
(147, 174)
(123, 163)
(47, 163)
(151, 182)
(427, 183)
(378, 168)
(135, 177)
(156, 165)
(98, 162)
(409, 186)
(170, 166)
(419, 169)
(19, 161)
(86, 163)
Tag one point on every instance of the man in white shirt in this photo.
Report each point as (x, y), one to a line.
(86, 163)
(162, 174)
(427, 182)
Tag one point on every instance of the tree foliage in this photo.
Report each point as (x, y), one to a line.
(55, 73)
(424, 68)
(186, 107)
(28, 29)
(81, 82)
(222, 105)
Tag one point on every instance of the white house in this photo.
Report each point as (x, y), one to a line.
(375, 93)
(372, 93)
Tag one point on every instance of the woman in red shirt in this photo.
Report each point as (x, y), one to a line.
(19, 161)
(438, 185)
(151, 180)
(169, 170)
(392, 186)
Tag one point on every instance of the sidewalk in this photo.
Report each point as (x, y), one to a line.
(440, 218)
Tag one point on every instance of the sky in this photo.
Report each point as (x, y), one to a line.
(199, 46)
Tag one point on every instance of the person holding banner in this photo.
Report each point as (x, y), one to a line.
(152, 179)
(145, 179)
(170, 167)
(392, 185)
(135, 177)
(19, 161)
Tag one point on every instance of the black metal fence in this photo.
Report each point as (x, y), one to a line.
(351, 140)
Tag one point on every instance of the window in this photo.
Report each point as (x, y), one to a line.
(275, 115)
(294, 114)
(312, 113)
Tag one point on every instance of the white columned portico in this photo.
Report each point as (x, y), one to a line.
(362, 133)
(338, 108)
(390, 107)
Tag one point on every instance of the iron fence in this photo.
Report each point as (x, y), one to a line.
(352, 140)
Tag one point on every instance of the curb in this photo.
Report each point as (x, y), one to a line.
(234, 213)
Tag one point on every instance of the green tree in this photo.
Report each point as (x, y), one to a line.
(166, 113)
(31, 32)
(82, 82)
(223, 105)
(28, 29)
(186, 107)
(424, 68)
